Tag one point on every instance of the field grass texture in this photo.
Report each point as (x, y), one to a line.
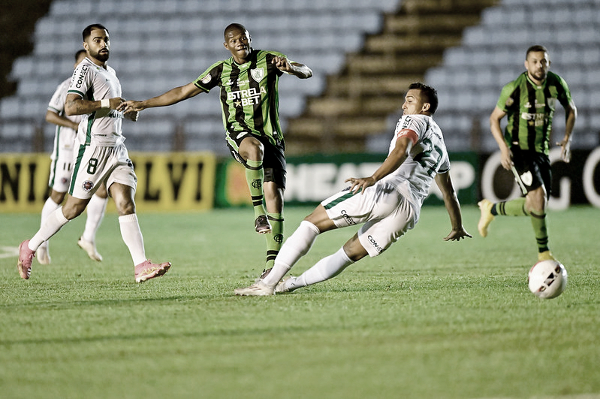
(427, 319)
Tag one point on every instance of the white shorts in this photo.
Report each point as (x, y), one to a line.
(96, 164)
(62, 160)
(60, 169)
(385, 212)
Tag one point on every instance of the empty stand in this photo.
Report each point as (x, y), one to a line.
(492, 53)
(157, 45)
(363, 54)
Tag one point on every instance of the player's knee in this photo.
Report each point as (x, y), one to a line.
(354, 249)
(125, 207)
(57, 196)
(72, 210)
(537, 201)
(101, 192)
(253, 149)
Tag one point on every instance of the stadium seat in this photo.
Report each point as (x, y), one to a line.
(187, 39)
(189, 35)
(494, 52)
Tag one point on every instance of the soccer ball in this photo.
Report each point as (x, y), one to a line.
(547, 279)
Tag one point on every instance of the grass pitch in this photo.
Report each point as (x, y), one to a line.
(427, 319)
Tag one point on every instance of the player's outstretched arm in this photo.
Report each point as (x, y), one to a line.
(391, 163)
(171, 97)
(458, 232)
(293, 68)
(75, 105)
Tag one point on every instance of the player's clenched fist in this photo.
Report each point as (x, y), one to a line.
(282, 63)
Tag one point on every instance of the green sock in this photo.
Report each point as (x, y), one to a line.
(514, 207)
(538, 221)
(275, 239)
(255, 175)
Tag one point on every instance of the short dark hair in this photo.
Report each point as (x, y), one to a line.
(88, 30)
(534, 49)
(429, 93)
(233, 26)
(78, 53)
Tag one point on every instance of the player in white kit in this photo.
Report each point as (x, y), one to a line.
(388, 202)
(61, 167)
(95, 93)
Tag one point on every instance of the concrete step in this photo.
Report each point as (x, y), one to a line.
(410, 24)
(386, 64)
(395, 43)
(370, 84)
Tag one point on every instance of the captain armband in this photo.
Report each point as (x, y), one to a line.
(411, 134)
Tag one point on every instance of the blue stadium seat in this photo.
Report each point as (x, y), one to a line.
(493, 54)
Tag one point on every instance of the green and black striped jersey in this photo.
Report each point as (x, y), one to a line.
(530, 109)
(249, 94)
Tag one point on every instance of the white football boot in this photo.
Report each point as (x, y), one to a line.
(257, 289)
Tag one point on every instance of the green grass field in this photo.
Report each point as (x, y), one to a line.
(427, 319)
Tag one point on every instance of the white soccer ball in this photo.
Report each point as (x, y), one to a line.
(547, 279)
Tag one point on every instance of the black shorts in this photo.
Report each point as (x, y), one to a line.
(274, 163)
(533, 168)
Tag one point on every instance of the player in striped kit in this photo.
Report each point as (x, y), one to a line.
(529, 102)
(248, 81)
(61, 168)
(388, 203)
(95, 93)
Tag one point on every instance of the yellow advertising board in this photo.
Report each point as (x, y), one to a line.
(166, 181)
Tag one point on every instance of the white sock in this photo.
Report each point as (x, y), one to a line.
(296, 246)
(53, 223)
(324, 269)
(49, 207)
(95, 213)
(132, 236)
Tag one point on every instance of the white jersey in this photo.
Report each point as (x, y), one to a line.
(65, 137)
(94, 83)
(428, 156)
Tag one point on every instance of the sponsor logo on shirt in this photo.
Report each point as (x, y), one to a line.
(238, 83)
(536, 105)
(534, 119)
(82, 73)
(407, 121)
(245, 97)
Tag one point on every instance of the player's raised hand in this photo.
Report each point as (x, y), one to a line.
(282, 64)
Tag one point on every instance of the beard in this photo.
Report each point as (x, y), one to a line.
(541, 75)
(101, 56)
